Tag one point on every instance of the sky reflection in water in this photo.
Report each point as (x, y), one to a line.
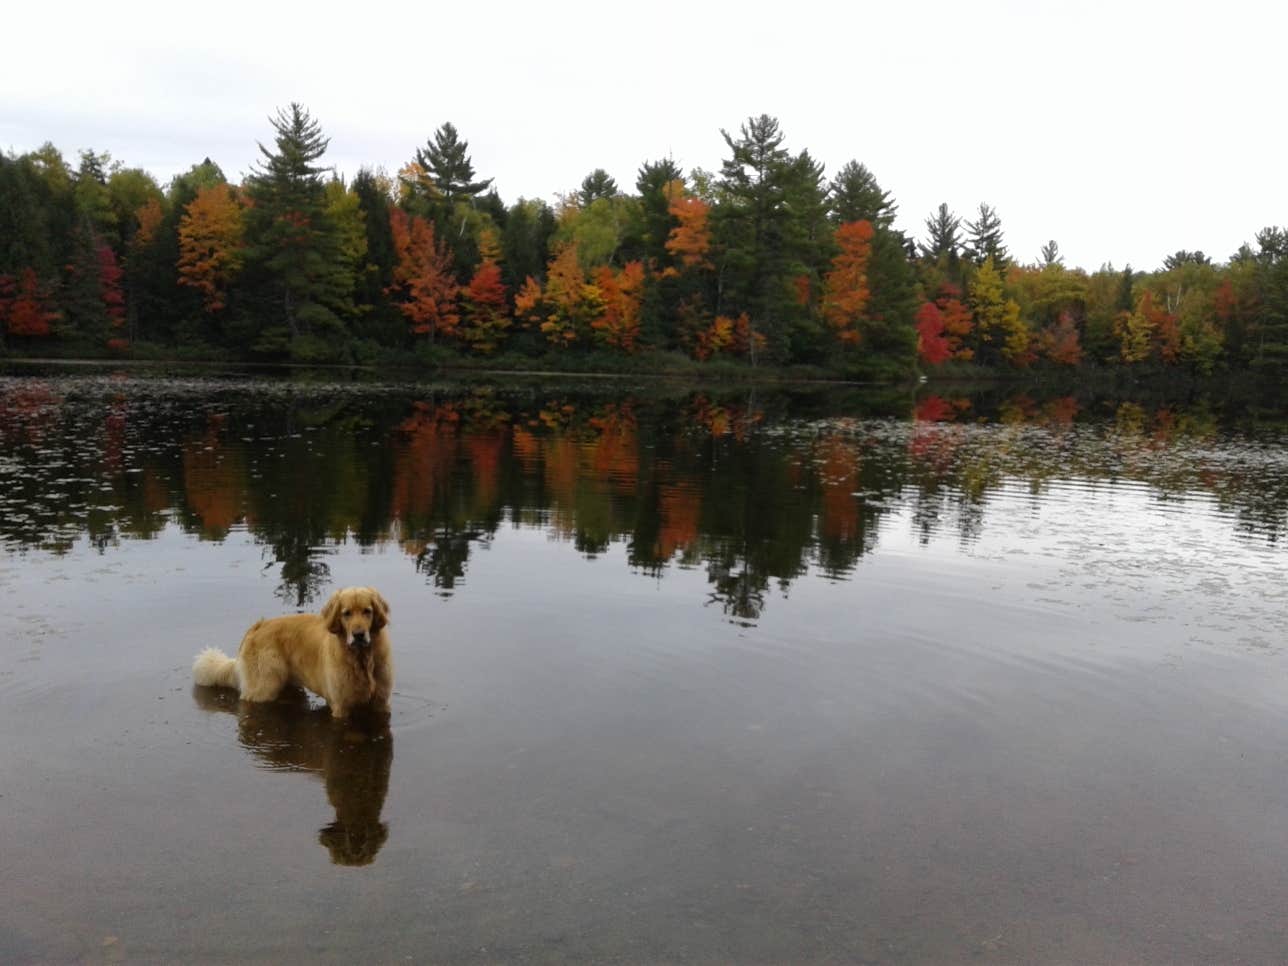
(680, 675)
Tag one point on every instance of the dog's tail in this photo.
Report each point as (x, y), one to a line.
(214, 668)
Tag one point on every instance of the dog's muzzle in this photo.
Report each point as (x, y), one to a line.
(360, 641)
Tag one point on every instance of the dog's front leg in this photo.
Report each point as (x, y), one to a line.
(382, 679)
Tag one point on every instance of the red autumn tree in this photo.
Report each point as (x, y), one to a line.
(423, 276)
(932, 344)
(486, 319)
(110, 274)
(24, 306)
(1061, 343)
(845, 287)
(958, 321)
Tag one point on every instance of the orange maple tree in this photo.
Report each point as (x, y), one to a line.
(690, 240)
(149, 217)
(423, 276)
(845, 287)
(621, 292)
(210, 244)
(570, 303)
(1060, 342)
(486, 319)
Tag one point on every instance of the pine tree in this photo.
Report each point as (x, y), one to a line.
(299, 265)
(942, 241)
(760, 236)
(596, 185)
(985, 240)
(449, 167)
(855, 196)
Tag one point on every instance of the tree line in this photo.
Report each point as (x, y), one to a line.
(766, 261)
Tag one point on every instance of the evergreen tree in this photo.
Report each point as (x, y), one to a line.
(654, 184)
(596, 185)
(93, 201)
(445, 159)
(942, 241)
(305, 286)
(890, 333)
(379, 320)
(756, 231)
(856, 196)
(985, 240)
(525, 241)
(1051, 254)
(1271, 353)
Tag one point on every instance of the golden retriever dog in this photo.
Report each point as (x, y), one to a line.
(341, 655)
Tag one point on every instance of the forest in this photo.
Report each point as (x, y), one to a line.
(766, 263)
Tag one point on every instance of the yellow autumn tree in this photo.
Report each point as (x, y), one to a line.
(997, 318)
(570, 302)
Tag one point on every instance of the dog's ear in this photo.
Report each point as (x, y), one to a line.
(379, 609)
(331, 614)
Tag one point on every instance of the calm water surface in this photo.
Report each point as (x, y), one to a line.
(681, 676)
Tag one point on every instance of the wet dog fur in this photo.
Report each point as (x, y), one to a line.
(341, 655)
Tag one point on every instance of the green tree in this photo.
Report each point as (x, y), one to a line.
(525, 241)
(854, 195)
(377, 318)
(93, 200)
(596, 185)
(769, 223)
(304, 279)
(985, 239)
(446, 160)
(1271, 339)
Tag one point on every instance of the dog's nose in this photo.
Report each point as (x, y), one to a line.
(360, 637)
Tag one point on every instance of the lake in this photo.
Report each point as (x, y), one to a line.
(734, 675)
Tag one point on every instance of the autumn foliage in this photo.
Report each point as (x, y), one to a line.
(24, 306)
(486, 318)
(210, 244)
(109, 280)
(424, 284)
(845, 287)
(932, 344)
(690, 240)
(618, 326)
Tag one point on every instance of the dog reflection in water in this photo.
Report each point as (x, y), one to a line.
(353, 757)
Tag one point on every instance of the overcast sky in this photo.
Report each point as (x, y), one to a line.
(1123, 130)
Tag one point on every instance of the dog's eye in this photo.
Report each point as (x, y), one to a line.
(367, 611)
(345, 613)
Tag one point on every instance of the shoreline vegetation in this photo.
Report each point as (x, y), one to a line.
(767, 270)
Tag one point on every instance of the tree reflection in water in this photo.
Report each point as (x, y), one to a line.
(752, 487)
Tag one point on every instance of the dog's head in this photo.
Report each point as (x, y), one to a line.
(356, 615)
